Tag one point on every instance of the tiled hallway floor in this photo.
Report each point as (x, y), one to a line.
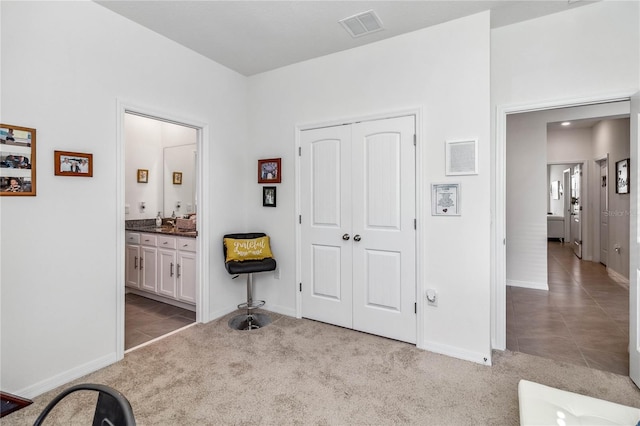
(146, 319)
(583, 318)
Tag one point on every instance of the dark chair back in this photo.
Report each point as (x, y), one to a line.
(112, 408)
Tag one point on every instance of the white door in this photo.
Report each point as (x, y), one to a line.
(326, 225)
(384, 265)
(576, 210)
(148, 271)
(604, 214)
(358, 236)
(167, 272)
(132, 264)
(634, 260)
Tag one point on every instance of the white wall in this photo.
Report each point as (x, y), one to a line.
(64, 65)
(444, 71)
(612, 137)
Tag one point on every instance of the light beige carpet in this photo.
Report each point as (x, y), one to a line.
(298, 372)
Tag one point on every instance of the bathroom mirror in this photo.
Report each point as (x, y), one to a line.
(179, 181)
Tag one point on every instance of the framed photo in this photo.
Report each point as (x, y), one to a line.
(269, 170)
(269, 196)
(67, 163)
(143, 176)
(622, 176)
(17, 160)
(555, 190)
(177, 178)
(461, 157)
(445, 199)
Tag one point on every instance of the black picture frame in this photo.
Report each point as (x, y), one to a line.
(268, 196)
(622, 176)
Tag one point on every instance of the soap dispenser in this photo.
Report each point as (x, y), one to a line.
(173, 214)
(158, 220)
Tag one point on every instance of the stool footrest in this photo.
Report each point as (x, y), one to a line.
(253, 305)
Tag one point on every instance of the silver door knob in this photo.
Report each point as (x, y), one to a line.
(346, 237)
(357, 237)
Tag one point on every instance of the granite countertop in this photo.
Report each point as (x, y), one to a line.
(149, 226)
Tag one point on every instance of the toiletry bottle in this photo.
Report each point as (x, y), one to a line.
(173, 214)
(158, 220)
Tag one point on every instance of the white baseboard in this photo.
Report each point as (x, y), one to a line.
(618, 277)
(283, 310)
(528, 284)
(455, 352)
(214, 315)
(46, 385)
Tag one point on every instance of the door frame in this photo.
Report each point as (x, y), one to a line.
(417, 113)
(202, 191)
(597, 227)
(499, 231)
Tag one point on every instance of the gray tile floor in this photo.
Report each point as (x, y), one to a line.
(583, 318)
(146, 319)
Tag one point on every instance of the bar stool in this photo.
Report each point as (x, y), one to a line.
(237, 264)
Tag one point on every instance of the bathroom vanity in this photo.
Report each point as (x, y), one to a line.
(160, 264)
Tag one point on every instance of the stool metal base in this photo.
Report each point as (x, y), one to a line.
(249, 322)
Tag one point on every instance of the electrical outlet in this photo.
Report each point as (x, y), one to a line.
(432, 297)
(276, 274)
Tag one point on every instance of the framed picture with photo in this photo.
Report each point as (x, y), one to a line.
(269, 170)
(177, 178)
(143, 176)
(268, 196)
(17, 160)
(622, 176)
(66, 163)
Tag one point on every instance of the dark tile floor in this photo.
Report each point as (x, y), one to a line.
(583, 318)
(146, 319)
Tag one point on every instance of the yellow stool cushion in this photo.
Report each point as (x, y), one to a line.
(247, 249)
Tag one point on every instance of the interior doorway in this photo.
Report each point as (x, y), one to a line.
(581, 290)
(191, 257)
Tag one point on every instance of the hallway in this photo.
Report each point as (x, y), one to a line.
(583, 319)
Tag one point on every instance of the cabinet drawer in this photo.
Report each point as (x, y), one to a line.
(166, 242)
(148, 240)
(187, 244)
(132, 238)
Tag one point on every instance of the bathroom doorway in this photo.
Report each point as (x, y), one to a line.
(170, 294)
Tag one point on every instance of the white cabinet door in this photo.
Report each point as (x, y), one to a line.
(132, 266)
(167, 272)
(186, 275)
(148, 268)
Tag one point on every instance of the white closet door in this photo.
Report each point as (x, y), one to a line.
(384, 265)
(357, 233)
(326, 217)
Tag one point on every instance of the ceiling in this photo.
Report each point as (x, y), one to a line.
(251, 37)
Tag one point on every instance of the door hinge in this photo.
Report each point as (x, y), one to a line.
(415, 140)
(415, 223)
(299, 151)
(300, 286)
(415, 308)
(300, 219)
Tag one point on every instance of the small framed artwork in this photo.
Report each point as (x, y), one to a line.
(462, 157)
(622, 176)
(177, 178)
(143, 176)
(17, 160)
(67, 163)
(445, 199)
(269, 196)
(269, 170)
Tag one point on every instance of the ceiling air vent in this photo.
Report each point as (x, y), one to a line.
(362, 24)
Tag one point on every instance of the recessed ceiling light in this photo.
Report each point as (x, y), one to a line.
(566, 123)
(362, 24)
